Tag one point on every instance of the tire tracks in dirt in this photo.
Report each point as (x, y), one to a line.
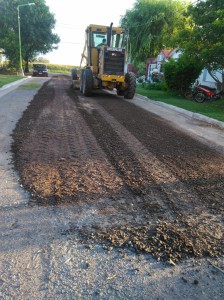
(88, 152)
(42, 255)
(193, 163)
(179, 199)
(146, 171)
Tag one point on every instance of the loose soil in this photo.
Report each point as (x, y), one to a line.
(143, 184)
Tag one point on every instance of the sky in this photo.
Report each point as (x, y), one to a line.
(72, 18)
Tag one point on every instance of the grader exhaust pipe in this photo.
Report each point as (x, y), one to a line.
(109, 35)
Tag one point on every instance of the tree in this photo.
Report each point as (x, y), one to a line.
(41, 60)
(36, 24)
(0, 56)
(141, 69)
(151, 24)
(203, 39)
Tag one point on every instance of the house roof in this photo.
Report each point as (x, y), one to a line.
(167, 53)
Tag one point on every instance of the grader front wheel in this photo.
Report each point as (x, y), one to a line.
(87, 82)
(81, 81)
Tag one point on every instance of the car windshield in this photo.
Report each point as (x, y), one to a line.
(39, 66)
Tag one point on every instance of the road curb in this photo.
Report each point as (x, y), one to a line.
(185, 112)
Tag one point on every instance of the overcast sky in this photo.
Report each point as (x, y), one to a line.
(72, 19)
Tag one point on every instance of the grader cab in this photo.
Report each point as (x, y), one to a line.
(105, 56)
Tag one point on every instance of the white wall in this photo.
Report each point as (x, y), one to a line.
(206, 79)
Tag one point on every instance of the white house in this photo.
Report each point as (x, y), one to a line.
(154, 64)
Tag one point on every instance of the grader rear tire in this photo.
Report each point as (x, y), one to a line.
(87, 82)
(131, 82)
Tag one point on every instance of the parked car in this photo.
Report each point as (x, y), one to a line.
(40, 70)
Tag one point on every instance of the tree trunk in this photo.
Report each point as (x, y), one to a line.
(26, 66)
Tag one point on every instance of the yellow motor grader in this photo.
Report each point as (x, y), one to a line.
(105, 56)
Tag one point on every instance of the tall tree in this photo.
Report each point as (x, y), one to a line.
(36, 24)
(203, 40)
(151, 24)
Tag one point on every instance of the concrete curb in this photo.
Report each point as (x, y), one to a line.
(185, 112)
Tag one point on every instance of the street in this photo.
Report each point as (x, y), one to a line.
(104, 199)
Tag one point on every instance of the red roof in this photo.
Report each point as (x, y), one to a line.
(167, 53)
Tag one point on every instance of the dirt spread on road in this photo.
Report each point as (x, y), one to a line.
(148, 185)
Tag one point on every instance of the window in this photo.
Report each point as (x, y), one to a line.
(98, 38)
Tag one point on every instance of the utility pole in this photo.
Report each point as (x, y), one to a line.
(21, 73)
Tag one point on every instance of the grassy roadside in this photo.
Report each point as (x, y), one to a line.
(212, 108)
(29, 86)
(6, 79)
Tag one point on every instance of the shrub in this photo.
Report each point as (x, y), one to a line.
(180, 75)
(140, 69)
(159, 86)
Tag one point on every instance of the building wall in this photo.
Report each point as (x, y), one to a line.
(206, 79)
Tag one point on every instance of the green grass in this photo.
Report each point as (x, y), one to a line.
(30, 86)
(211, 108)
(6, 79)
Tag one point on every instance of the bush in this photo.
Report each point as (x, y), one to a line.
(180, 75)
(6, 69)
(159, 86)
(140, 69)
(140, 80)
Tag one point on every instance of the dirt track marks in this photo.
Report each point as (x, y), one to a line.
(197, 166)
(162, 191)
(127, 171)
(65, 161)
